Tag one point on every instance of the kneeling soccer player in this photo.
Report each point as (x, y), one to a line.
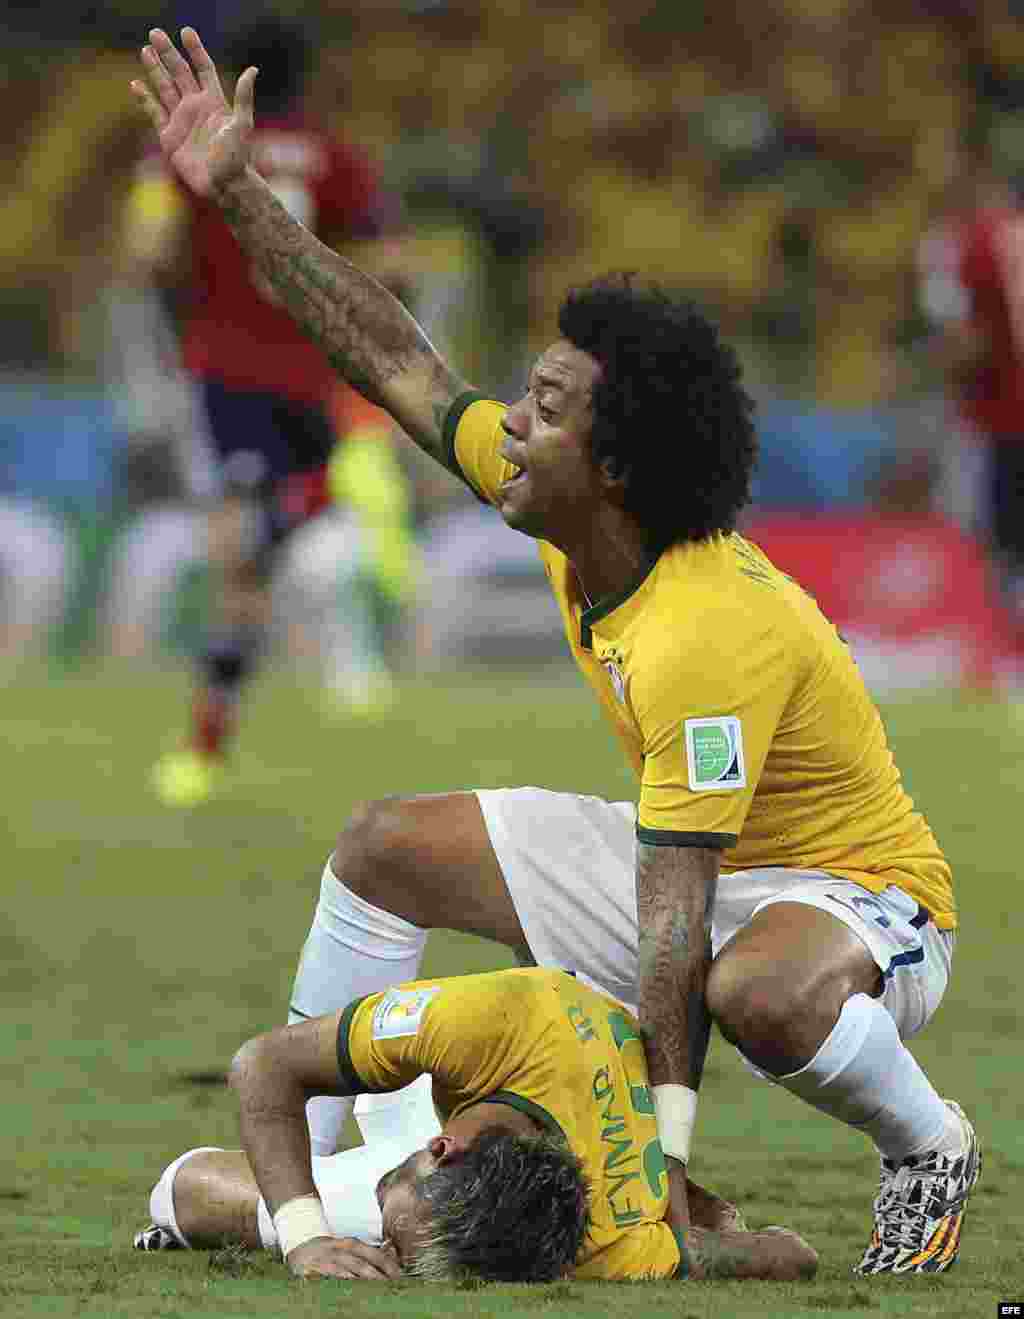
(547, 1163)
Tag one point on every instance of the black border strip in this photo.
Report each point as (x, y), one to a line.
(671, 838)
(450, 429)
(349, 1077)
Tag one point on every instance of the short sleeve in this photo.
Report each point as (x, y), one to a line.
(707, 711)
(381, 1038)
(473, 437)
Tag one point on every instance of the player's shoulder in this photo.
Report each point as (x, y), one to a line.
(535, 990)
(715, 607)
(513, 981)
(517, 1003)
(725, 576)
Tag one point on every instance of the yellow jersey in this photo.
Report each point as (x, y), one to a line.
(541, 1042)
(737, 703)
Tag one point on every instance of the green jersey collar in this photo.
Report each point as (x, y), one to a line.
(612, 602)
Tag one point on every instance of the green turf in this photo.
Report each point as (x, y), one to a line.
(140, 947)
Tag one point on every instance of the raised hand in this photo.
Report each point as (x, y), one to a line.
(203, 137)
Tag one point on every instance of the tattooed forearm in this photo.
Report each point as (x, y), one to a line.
(775, 1254)
(675, 894)
(365, 332)
(711, 1255)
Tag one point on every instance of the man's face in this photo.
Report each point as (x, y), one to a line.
(402, 1210)
(547, 435)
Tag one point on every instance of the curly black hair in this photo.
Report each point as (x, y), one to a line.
(511, 1209)
(669, 408)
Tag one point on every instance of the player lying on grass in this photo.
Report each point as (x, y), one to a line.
(772, 874)
(547, 1163)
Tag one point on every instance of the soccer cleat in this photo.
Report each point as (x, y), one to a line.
(185, 778)
(155, 1238)
(919, 1209)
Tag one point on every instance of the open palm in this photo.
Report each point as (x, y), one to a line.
(204, 138)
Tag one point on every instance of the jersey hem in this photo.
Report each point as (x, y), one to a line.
(674, 838)
(449, 431)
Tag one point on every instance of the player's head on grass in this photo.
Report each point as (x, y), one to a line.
(505, 1207)
(638, 407)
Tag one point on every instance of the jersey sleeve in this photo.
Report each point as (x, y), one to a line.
(472, 437)
(471, 1033)
(646, 1251)
(708, 709)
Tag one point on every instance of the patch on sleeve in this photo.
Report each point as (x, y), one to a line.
(400, 1012)
(714, 754)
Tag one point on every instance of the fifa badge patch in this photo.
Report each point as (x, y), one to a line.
(714, 754)
(400, 1012)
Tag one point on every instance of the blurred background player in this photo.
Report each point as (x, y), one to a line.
(973, 293)
(352, 569)
(268, 394)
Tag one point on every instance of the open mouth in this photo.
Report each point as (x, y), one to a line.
(517, 477)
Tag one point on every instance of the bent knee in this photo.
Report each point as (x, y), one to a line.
(755, 1006)
(380, 849)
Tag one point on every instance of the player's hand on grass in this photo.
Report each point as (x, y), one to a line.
(344, 1257)
(204, 138)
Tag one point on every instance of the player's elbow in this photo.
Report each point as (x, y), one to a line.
(248, 1064)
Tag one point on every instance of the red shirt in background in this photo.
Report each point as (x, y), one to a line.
(974, 272)
(235, 333)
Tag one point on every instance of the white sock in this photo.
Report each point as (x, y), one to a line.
(353, 949)
(865, 1076)
(161, 1198)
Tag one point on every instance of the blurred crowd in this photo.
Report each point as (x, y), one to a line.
(798, 166)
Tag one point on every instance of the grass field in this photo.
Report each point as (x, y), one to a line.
(140, 947)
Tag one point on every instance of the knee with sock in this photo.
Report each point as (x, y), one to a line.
(161, 1198)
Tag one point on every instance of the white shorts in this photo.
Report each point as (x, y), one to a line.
(569, 863)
